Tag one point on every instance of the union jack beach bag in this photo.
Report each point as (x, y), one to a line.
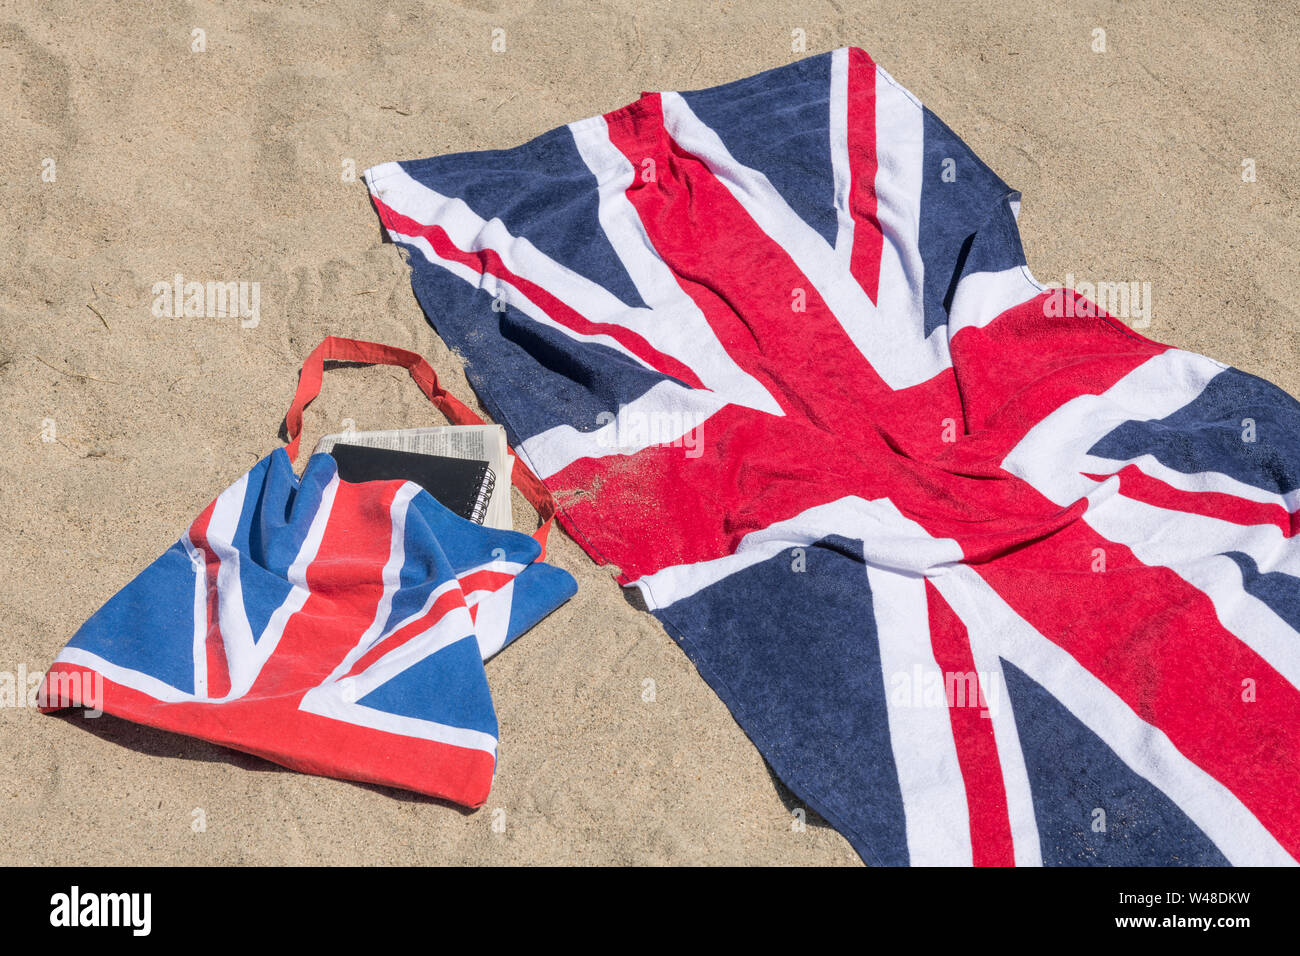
(336, 628)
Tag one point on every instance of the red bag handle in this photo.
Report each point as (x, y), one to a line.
(335, 349)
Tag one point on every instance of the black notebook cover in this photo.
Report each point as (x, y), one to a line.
(461, 485)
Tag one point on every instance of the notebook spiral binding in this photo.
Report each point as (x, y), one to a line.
(478, 513)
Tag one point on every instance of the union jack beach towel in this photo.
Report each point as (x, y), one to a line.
(337, 628)
(988, 577)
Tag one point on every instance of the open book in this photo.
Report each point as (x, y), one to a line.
(485, 443)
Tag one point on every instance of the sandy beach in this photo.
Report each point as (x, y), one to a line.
(136, 149)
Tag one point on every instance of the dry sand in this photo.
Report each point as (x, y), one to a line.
(227, 164)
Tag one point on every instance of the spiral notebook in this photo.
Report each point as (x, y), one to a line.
(474, 442)
(461, 485)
